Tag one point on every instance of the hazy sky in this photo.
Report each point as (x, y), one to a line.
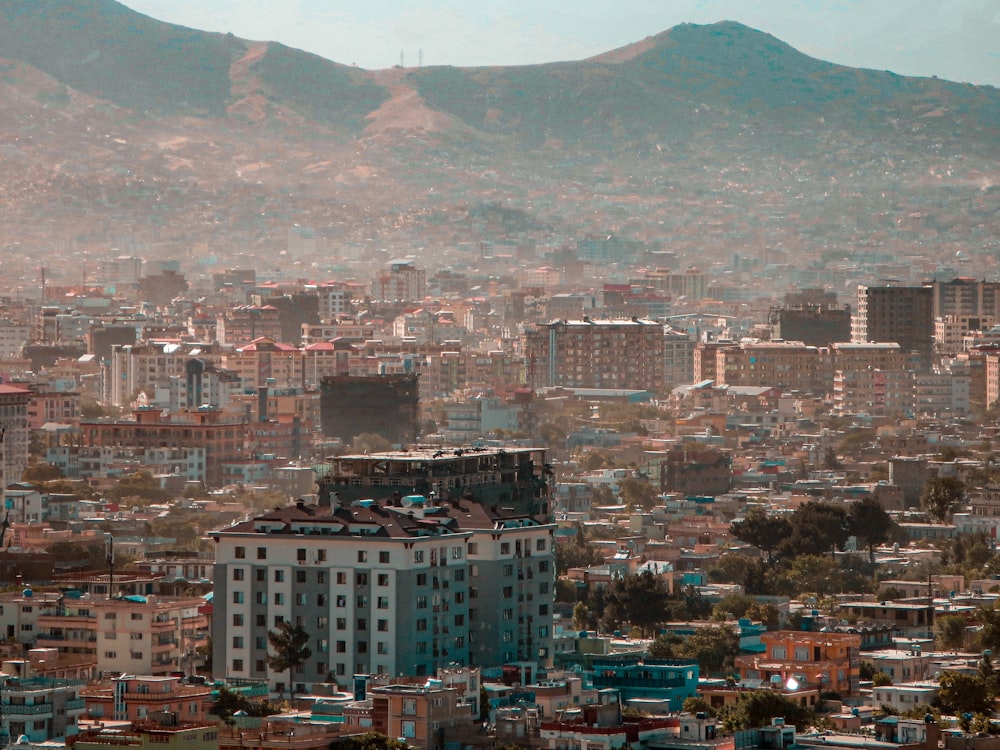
(954, 39)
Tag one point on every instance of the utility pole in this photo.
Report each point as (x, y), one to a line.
(109, 553)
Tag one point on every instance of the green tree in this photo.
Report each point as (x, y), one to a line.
(964, 693)
(756, 709)
(41, 472)
(714, 649)
(637, 492)
(949, 631)
(941, 496)
(583, 618)
(371, 442)
(638, 600)
(696, 704)
(665, 646)
(763, 531)
(228, 702)
(869, 522)
(140, 486)
(814, 574)
(290, 651)
(816, 527)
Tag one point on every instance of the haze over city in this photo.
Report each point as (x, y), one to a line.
(515, 376)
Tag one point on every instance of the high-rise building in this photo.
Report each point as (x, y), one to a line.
(402, 587)
(14, 432)
(904, 314)
(385, 405)
(400, 282)
(966, 297)
(595, 354)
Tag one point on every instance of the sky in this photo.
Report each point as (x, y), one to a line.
(957, 40)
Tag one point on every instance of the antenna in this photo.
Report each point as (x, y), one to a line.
(109, 554)
(401, 58)
(420, 58)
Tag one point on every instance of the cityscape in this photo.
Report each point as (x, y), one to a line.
(644, 402)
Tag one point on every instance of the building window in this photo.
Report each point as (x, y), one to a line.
(237, 665)
(409, 729)
(261, 597)
(237, 574)
(261, 621)
(422, 624)
(383, 602)
(262, 553)
(237, 620)
(300, 576)
(279, 599)
(321, 577)
(383, 557)
(261, 575)
(301, 599)
(421, 579)
(383, 626)
(362, 647)
(362, 556)
(300, 554)
(341, 623)
(382, 648)
(361, 579)
(237, 597)
(504, 548)
(341, 647)
(540, 545)
(362, 624)
(237, 641)
(473, 548)
(279, 576)
(137, 615)
(321, 555)
(418, 556)
(456, 553)
(383, 579)
(260, 642)
(240, 553)
(341, 578)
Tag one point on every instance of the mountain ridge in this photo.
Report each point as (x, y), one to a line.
(129, 119)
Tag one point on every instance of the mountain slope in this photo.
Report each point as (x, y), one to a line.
(117, 128)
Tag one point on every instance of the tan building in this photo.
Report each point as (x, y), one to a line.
(787, 365)
(136, 698)
(802, 659)
(132, 634)
(595, 354)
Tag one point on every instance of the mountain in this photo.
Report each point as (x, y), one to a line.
(120, 129)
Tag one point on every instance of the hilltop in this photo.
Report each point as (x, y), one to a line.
(117, 128)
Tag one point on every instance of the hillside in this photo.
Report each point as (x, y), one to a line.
(117, 128)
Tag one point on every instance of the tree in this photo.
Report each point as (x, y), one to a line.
(229, 702)
(814, 574)
(371, 442)
(697, 705)
(950, 631)
(756, 709)
(290, 650)
(815, 527)
(941, 496)
(41, 472)
(869, 522)
(761, 530)
(639, 600)
(637, 492)
(964, 693)
(665, 646)
(371, 741)
(713, 648)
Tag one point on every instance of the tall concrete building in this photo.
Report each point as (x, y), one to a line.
(595, 354)
(385, 405)
(966, 297)
(399, 282)
(398, 588)
(14, 432)
(904, 314)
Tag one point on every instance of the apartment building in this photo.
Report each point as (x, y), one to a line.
(788, 365)
(593, 353)
(137, 697)
(810, 660)
(39, 708)
(402, 587)
(14, 432)
(132, 634)
(400, 281)
(903, 314)
(222, 439)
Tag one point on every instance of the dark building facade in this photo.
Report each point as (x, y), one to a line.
(814, 325)
(385, 405)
